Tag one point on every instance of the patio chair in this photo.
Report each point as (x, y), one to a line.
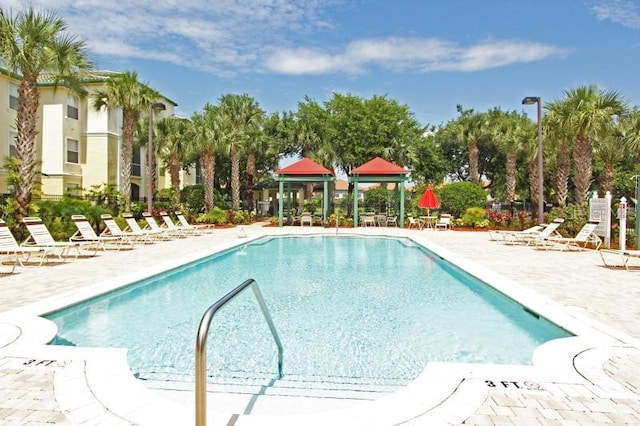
(584, 237)
(306, 218)
(392, 221)
(39, 236)
(133, 227)
(10, 247)
(529, 238)
(444, 222)
(414, 223)
(368, 219)
(113, 229)
(153, 226)
(86, 233)
(625, 256)
(196, 229)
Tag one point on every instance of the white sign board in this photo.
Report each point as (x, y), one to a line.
(600, 209)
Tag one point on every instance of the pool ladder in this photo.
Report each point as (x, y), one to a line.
(201, 344)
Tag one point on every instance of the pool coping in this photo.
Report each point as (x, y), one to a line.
(444, 393)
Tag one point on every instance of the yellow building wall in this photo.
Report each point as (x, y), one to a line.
(7, 124)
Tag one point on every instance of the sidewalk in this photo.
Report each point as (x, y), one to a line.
(32, 388)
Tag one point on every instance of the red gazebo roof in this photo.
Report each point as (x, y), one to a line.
(379, 167)
(305, 167)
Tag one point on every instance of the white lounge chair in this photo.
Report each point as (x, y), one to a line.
(178, 231)
(153, 226)
(626, 257)
(10, 247)
(199, 228)
(113, 229)
(133, 227)
(85, 233)
(584, 237)
(530, 238)
(502, 234)
(39, 236)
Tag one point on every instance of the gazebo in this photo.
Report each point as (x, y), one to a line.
(301, 172)
(374, 171)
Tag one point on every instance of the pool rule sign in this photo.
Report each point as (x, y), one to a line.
(600, 210)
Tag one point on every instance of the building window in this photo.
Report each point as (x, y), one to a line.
(72, 106)
(73, 151)
(13, 137)
(13, 96)
(135, 163)
(73, 189)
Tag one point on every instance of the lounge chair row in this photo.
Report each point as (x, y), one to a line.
(43, 247)
(547, 237)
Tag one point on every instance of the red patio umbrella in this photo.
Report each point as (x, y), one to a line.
(429, 200)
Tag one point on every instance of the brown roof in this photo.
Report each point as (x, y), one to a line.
(378, 166)
(305, 167)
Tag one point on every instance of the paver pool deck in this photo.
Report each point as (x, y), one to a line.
(39, 384)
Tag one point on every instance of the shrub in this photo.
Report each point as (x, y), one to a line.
(474, 217)
(216, 215)
(457, 197)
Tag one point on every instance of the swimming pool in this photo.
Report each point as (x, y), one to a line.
(372, 310)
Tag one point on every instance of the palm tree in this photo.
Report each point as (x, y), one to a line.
(244, 114)
(208, 131)
(585, 110)
(171, 143)
(510, 131)
(33, 44)
(124, 91)
(469, 128)
(559, 138)
(609, 146)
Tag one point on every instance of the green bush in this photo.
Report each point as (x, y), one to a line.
(216, 215)
(56, 215)
(457, 197)
(193, 197)
(475, 218)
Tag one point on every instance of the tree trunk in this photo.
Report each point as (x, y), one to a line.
(582, 160)
(607, 177)
(128, 130)
(235, 180)
(474, 174)
(174, 171)
(511, 177)
(28, 102)
(561, 175)
(207, 169)
(251, 173)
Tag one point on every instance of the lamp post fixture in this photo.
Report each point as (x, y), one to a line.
(530, 100)
(157, 106)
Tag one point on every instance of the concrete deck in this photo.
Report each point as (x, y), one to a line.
(591, 379)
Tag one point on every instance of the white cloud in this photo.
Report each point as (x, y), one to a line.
(624, 12)
(412, 54)
(227, 37)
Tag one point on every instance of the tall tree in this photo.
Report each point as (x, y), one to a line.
(208, 132)
(125, 92)
(586, 110)
(244, 114)
(171, 145)
(558, 136)
(33, 44)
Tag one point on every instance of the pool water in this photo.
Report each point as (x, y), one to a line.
(370, 309)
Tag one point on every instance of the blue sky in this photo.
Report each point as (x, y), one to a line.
(430, 55)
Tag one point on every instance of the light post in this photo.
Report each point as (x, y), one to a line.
(530, 100)
(157, 106)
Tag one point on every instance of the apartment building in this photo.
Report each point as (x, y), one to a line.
(77, 146)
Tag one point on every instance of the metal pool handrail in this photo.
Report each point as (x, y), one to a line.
(201, 344)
